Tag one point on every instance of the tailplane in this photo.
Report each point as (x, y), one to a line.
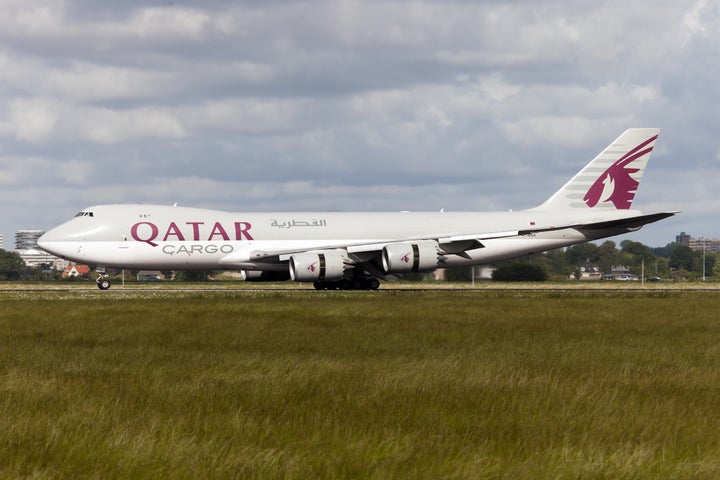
(610, 181)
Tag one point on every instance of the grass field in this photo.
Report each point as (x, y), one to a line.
(387, 384)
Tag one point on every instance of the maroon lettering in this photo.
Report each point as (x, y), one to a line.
(149, 239)
(196, 229)
(218, 230)
(148, 232)
(242, 230)
(173, 229)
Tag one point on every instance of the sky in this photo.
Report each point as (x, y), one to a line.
(352, 105)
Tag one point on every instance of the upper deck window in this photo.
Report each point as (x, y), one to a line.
(85, 214)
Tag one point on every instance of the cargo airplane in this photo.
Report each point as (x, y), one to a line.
(338, 250)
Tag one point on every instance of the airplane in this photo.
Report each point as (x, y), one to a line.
(355, 250)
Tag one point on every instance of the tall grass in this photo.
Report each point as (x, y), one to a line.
(443, 384)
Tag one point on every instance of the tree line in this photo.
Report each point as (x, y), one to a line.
(673, 261)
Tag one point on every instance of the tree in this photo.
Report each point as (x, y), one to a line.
(458, 274)
(665, 251)
(12, 267)
(698, 263)
(710, 261)
(633, 254)
(660, 268)
(638, 250)
(520, 272)
(555, 262)
(577, 255)
(608, 256)
(193, 276)
(41, 273)
(681, 258)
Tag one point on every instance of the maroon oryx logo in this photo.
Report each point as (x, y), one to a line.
(405, 258)
(311, 267)
(616, 184)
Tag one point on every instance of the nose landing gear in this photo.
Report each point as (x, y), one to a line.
(103, 282)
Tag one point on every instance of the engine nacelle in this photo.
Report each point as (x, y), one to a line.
(264, 276)
(410, 257)
(321, 266)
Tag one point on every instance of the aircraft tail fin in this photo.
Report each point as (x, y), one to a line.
(610, 181)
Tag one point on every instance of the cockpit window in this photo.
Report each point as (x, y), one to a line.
(85, 214)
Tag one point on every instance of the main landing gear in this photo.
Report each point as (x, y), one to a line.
(103, 282)
(355, 283)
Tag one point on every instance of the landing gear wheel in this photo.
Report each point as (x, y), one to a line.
(103, 282)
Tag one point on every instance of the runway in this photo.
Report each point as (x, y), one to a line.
(389, 288)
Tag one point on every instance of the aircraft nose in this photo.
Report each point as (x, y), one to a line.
(55, 241)
(43, 238)
(46, 241)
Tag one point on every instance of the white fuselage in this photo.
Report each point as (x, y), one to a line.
(353, 250)
(164, 237)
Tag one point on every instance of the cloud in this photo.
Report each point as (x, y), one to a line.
(701, 18)
(84, 82)
(106, 126)
(348, 105)
(42, 120)
(32, 121)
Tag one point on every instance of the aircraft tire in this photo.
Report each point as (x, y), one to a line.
(103, 284)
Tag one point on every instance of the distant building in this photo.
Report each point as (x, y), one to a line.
(698, 244)
(589, 272)
(27, 239)
(2, 247)
(76, 271)
(27, 248)
(35, 257)
(620, 274)
(150, 276)
(683, 239)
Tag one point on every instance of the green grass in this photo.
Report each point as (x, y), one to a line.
(394, 384)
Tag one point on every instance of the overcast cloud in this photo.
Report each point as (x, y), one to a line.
(352, 105)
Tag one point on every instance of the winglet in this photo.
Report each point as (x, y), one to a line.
(610, 181)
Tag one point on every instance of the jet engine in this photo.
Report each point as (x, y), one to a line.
(411, 256)
(321, 266)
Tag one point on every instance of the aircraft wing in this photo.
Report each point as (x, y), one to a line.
(631, 223)
(457, 243)
(449, 243)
